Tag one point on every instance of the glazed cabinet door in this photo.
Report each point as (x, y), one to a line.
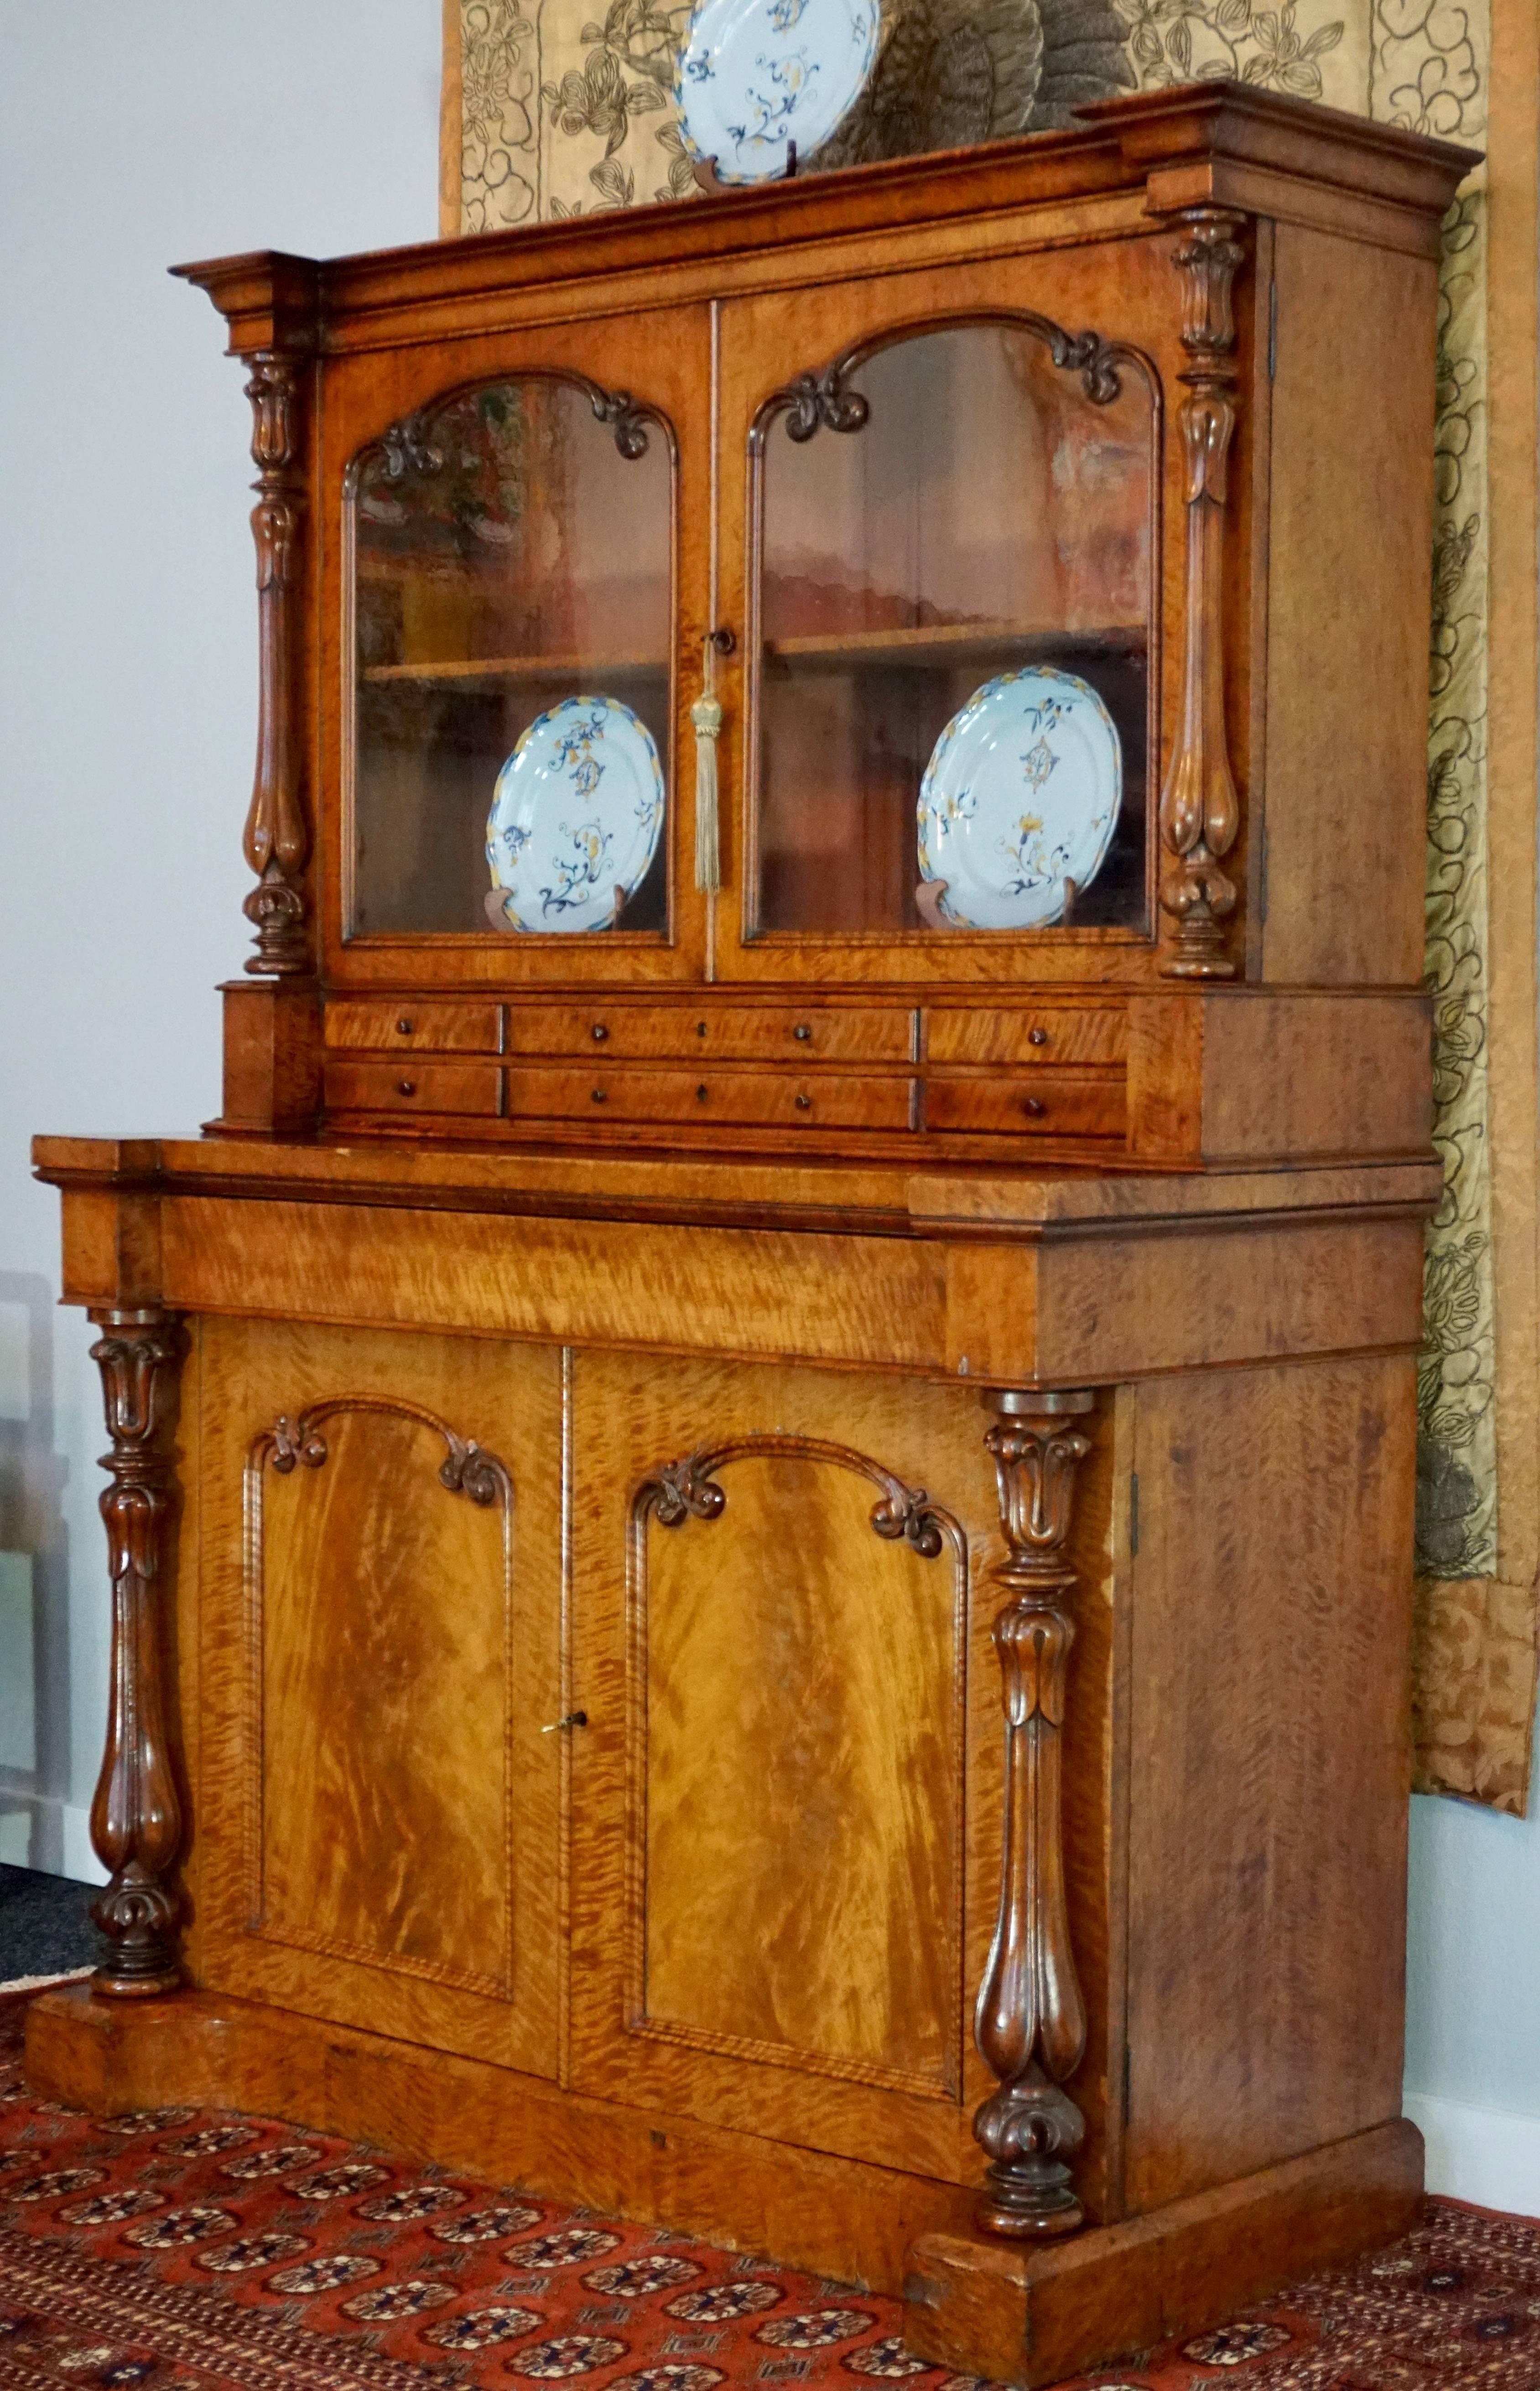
(380, 1647)
(787, 1796)
(520, 578)
(935, 486)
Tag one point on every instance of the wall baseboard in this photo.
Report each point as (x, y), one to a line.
(37, 1830)
(1488, 2156)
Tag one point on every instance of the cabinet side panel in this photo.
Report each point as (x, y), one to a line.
(1270, 1766)
(1349, 579)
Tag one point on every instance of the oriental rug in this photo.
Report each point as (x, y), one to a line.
(191, 2251)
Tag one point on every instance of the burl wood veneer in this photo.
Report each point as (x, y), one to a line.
(761, 1558)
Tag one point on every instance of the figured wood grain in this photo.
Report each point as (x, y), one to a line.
(381, 1822)
(929, 1437)
(381, 1608)
(1272, 1610)
(1227, 1075)
(1348, 523)
(1035, 2317)
(799, 1720)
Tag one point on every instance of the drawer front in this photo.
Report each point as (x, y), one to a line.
(798, 1101)
(740, 1033)
(409, 1086)
(1039, 1033)
(414, 1028)
(1057, 1104)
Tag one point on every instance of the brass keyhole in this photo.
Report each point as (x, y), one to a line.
(701, 1093)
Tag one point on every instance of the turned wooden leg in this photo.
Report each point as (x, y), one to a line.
(137, 1815)
(1031, 2021)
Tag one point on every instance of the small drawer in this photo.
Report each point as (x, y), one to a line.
(733, 1033)
(1037, 1033)
(410, 1027)
(811, 1100)
(1058, 1104)
(411, 1087)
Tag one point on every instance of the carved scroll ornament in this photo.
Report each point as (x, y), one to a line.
(137, 1813)
(276, 842)
(1030, 2023)
(822, 401)
(1199, 810)
(687, 1489)
(467, 1467)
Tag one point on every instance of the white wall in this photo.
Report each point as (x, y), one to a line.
(134, 134)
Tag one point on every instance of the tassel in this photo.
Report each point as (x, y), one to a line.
(706, 716)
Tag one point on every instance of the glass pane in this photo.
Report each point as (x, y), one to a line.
(990, 515)
(513, 549)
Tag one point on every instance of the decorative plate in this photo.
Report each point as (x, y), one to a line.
(575, 818)
(755, 76)
(1020, 795)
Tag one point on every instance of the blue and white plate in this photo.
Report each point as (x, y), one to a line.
(1020, 795)
(753, 75)
(576, 816)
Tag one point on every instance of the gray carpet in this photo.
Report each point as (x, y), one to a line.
(44, 1925)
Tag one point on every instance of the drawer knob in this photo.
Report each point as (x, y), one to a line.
(1034, 1106)
(802, 1032)
(1037, 1038)
(803, 1103)
(404, 1025)
(701, 1093)
(599, 1095)
(405, 1087)
(600, 1033)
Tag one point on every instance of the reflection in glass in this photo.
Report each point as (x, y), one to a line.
(990, 512)
(512, 549)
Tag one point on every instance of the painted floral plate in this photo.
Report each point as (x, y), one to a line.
(575, 818)
(1020, 795)
(755, 76)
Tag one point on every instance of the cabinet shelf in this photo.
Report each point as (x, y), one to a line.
(527, 669)
(948, 643)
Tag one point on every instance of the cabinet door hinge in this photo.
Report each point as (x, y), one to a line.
(1133, 1512)
(1272, 331)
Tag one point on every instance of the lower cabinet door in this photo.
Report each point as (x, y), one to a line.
(378, 1522)
(786, 1800)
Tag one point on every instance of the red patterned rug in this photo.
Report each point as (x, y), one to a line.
(190, 2250)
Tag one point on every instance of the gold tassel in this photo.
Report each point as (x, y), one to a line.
(706, 716)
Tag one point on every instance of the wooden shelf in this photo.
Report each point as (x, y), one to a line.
(944, 644)
(474, 668)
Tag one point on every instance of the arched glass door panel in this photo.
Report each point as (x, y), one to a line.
(963, 503)
(512, 552)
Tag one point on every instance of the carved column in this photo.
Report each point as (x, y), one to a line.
(1029, 2023)
(137, 1815)
(277, 842)
(1199, 812)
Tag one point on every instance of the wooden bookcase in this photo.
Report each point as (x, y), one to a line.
(564, 1580)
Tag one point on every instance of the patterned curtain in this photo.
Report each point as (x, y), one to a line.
(551, 111)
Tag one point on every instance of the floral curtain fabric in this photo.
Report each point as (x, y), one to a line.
(553, 110)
